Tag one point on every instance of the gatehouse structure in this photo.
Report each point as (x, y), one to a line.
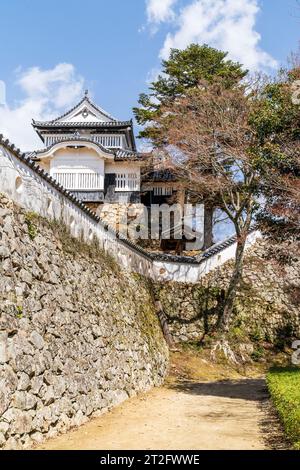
(91, 154)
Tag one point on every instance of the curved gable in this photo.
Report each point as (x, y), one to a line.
(73, 144)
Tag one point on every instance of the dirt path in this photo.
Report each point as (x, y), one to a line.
(185, 414)
(192, 416)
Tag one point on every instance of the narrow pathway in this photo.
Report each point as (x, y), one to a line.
(226, 414)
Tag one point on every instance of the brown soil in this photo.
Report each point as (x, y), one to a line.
(201, 406)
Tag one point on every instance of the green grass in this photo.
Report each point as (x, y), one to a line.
(284, 387)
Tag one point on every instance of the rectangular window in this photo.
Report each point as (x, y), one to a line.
(162, 191)
(127, 182)
(109, 141)
(80, 181)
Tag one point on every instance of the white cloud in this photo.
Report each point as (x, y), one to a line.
(159, 11)
(47, 93)
(2, 93)
(152, 76)
(229, 25)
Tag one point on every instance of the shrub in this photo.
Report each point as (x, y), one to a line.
(284, 387)
(30, 219)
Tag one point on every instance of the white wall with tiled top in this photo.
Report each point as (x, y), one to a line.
(26, 187)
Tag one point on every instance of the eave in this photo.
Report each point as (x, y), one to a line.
(48, 125)
(115, 154)
(85, 99)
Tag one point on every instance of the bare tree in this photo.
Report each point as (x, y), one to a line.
(241, 146)
(211, 140)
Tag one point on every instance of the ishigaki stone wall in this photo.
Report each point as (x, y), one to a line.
(266, 309)
(78, 335)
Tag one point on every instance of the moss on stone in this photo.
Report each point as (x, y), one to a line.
(31, 220)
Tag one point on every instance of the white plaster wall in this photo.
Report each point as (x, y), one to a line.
(93, 116)
(78, 161)
(85, 160)
(183, 272)
(122, 167)
(90, 118)
(28, 189)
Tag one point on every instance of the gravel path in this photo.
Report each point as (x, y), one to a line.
(229, 414)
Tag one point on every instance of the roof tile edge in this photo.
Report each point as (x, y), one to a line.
(85, 98)
(43, 174)
(150, 256)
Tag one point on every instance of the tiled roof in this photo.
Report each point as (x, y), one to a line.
(110, 124)
(197, 260)
(215, 249)
(31, 164)
(43, 174)
(73, 139)
(119, 154)
(87, 99)
(160, 176)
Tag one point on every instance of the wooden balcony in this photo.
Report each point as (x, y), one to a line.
(127, 182)
(80, 181)
(107, 141)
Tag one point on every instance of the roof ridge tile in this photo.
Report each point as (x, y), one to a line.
(85, 98)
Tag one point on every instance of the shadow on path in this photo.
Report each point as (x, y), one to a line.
(245, 389)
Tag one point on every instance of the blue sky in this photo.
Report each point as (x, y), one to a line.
(51, 52)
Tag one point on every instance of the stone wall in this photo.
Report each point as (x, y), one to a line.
(77, 334)
(267, 307)
(118, 215)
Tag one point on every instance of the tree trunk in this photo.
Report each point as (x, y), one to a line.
(162, 316)
(164, 324)
(208, 227)
(233, 285)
